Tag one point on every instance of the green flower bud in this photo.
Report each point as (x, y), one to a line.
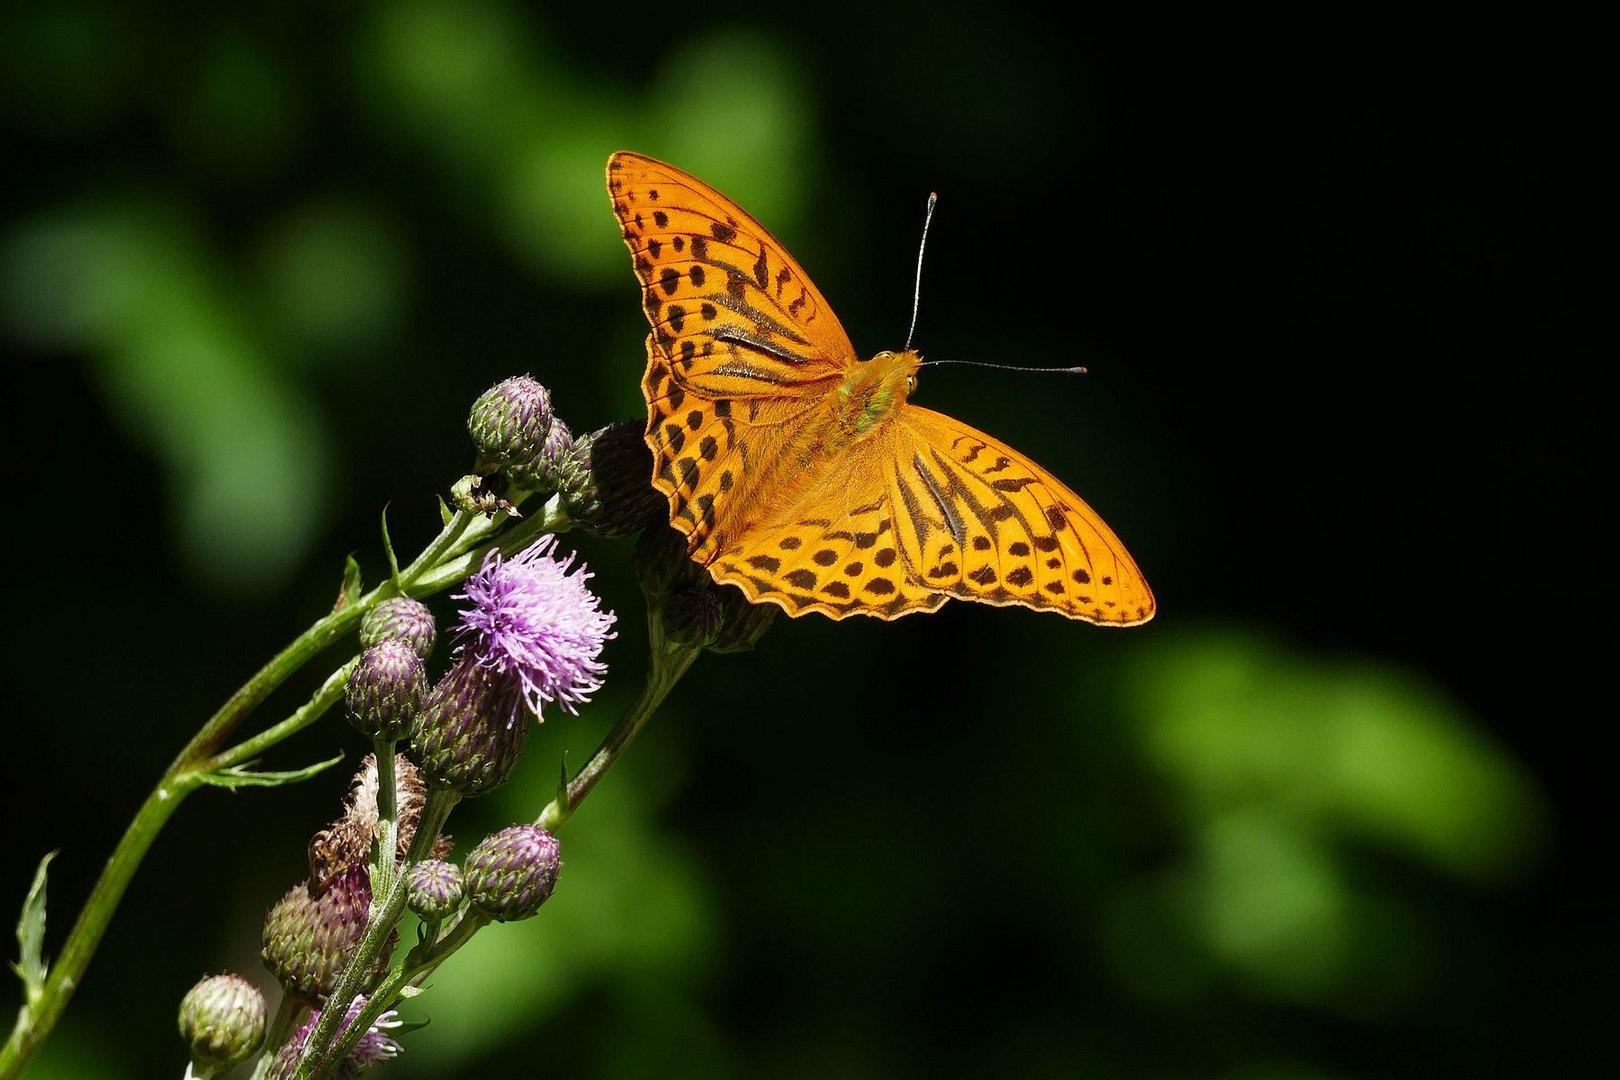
(385, 690)
(308, 939)
(742, 623)
(435, 890)
(608, 490)
(556, 458)
(512, 872)
(691, 607)
(222, 1019)
(693, 617)
(663, 565)
(509, 424)
(403, 618)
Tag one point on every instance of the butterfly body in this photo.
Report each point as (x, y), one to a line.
(873, 391)
(802, 473)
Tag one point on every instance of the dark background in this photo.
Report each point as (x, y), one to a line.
(1336, 812)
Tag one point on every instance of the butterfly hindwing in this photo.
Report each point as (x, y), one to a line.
(711, 457)
(836, 550)
(980, 521)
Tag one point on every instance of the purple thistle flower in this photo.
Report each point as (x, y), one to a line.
(374, 1045)
(535, 625)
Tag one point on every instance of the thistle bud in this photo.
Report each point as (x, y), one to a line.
(403, 618)
(663, 565)
(308, 939)
(690, 607)
(742, 623)
(467, 736)
(608, 490)
(693, 617)
(556, 458)
(512, 872)
(385, 689)
(509, 423)
(435, 888)
(222, 1019)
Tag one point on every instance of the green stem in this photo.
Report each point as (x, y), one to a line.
(382, 867)
(182, 777)
(422, 962)
(385, 911)
(446, 560)
(282, 1025)
(330, 693)
(669, 662)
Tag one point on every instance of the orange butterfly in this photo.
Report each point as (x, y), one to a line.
(799, 472)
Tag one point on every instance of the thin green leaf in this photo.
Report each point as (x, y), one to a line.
(388, 547)
(352, 585)
(30, 965)
(241, 776)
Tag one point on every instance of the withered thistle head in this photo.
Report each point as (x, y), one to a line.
(347, 841)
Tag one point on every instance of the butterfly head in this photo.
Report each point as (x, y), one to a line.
(874, 389)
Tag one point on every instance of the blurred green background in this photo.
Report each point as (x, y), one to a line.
(1331, 815)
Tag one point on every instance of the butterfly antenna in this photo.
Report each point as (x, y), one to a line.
(916, 289)
(1008, 367)
(916, 302)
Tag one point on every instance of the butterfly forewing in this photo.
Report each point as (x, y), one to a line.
(732, 313)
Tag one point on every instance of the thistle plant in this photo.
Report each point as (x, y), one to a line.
(527, 643)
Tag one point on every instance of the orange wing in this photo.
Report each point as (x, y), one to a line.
(949, 511)
(732, 314)
(981, 521)
(742, 344)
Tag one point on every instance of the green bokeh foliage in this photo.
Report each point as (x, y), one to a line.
(255, 262)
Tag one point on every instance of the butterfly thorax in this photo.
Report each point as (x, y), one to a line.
(873, 390)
